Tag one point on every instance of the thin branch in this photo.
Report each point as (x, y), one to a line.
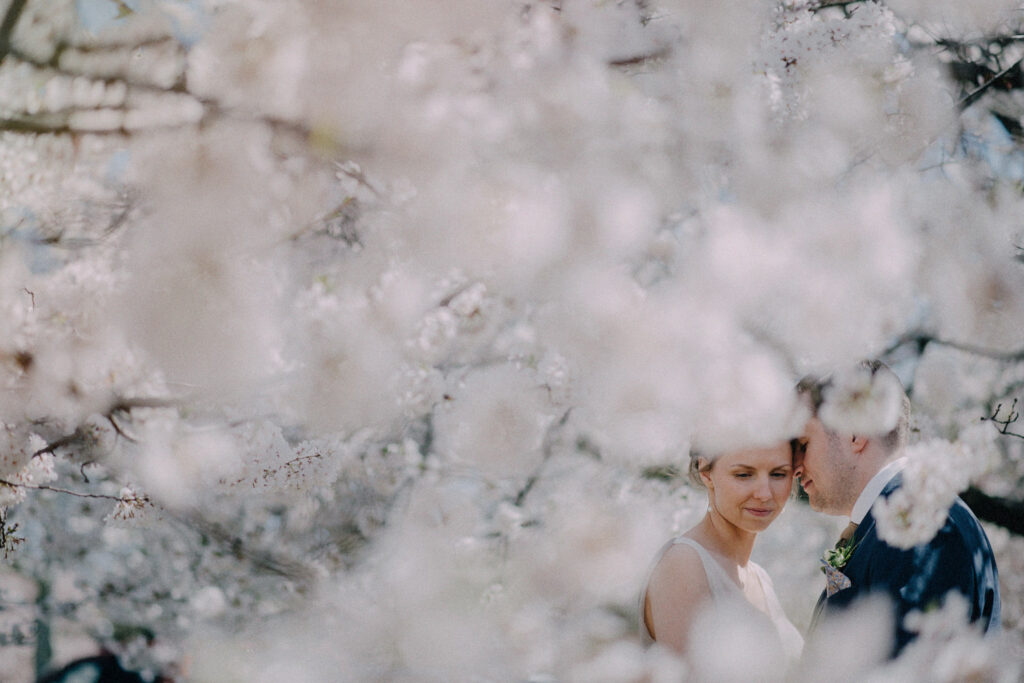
(53, 64)
(121, 217)
(212, 107)
(154, 41)
(1005, 422)
(354, 172)
(840, 4)
(118, 406)
(8, 540)
(77, 494)
(112, 419)
(923, 339)
(974, 96)
(639, 60)
(275, 564)
(124, 405)
(74, 437)
(7, 27)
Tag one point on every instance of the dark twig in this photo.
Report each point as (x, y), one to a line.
(640, 60)
(8, 541)
(1005, 422)
(77, 494)
(118, 407)
(922, 339)
(112, 419)
(270, 562)
(839, 4)
(974, 96)
(76, 436)
(14, 11)
(357, 174)
(112, 79)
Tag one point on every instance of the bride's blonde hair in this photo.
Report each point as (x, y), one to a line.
(699, 462)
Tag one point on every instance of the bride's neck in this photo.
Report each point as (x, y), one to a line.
(727, 539)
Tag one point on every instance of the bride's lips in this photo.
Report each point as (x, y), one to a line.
(760, 512)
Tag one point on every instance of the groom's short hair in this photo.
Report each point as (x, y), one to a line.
(815, 388)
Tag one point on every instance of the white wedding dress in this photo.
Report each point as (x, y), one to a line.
(725, 589)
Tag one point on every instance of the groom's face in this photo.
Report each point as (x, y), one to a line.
(825, 465)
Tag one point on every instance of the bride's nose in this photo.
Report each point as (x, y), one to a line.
(763, 490)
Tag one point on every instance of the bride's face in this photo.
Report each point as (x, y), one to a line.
(749, 488)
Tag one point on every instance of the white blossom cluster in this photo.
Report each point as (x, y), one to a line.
(22, 465)
(935, 472)
(859, 402)
(805, 47)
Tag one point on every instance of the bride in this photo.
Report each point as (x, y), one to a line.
(709, 566)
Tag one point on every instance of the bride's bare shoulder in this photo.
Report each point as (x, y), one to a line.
(680, 561)
(677, 590)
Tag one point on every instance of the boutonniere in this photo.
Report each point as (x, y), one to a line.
(837, 557)
(834, 560)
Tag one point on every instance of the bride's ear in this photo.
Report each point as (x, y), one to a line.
(704, 468)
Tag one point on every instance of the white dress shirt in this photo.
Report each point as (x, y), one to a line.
(874, 489)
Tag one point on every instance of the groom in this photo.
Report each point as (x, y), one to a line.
(843, 474)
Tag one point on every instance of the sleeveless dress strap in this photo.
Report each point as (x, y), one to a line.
(720, 584)
(719, 581)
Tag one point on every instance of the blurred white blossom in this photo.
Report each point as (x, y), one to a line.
(861, 402)
(934, 473)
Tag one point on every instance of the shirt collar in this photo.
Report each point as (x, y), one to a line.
(874, 489)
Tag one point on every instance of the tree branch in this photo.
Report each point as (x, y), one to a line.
(77, 494)
(922, 339)
(1005, 422)
(7, 27)
(273, 563)
(974, 96)
(839, 4)
(1008, 514)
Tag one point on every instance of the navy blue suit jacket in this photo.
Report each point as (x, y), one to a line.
(958, 558)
